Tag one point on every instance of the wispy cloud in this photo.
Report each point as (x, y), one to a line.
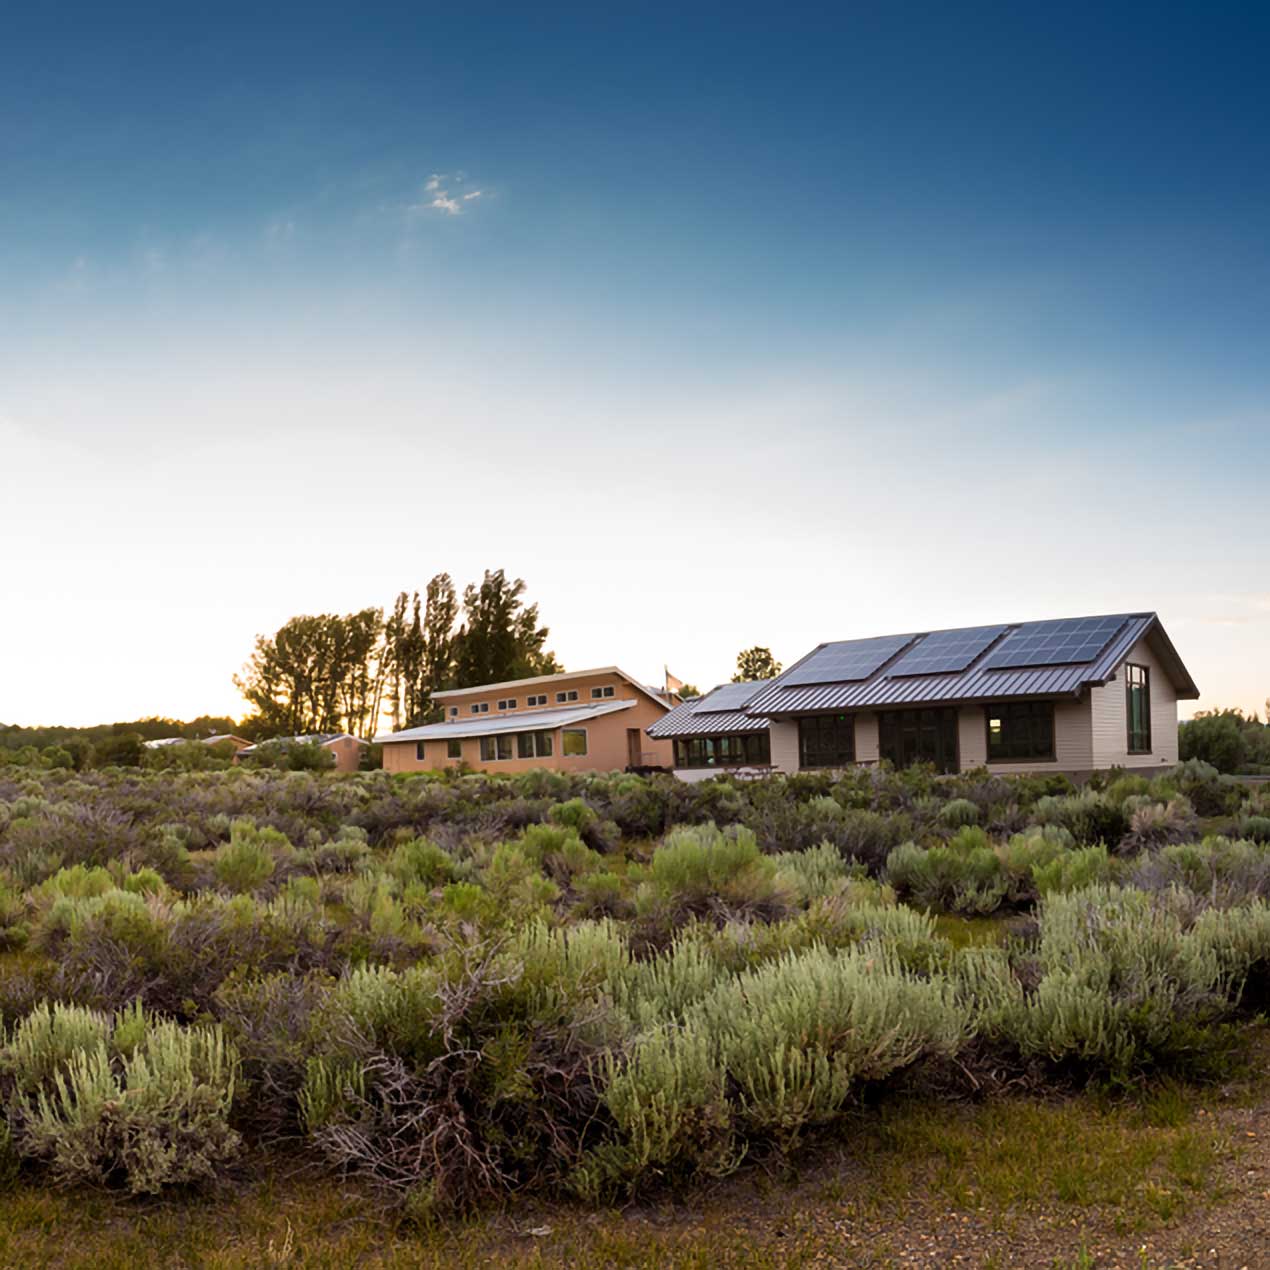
(439, 195)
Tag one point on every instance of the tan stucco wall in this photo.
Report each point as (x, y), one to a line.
(607, 746)
(348, 753)
(1110, 717)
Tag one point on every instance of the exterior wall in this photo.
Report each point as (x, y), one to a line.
(623, 689)
(783, 740)
(348, 753)
(1110, 717)
(1073, 750)
(607, 747)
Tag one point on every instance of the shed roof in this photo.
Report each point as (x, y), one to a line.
(795, 692)
(718, 713)
(513, 721)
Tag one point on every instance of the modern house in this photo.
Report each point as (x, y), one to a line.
(578, 721)
(1073, 695)
(347, 749)
(713, 731)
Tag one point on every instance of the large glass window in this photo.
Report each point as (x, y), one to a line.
(1138, 708)
(906, 737)
(826, 740)
(533, 744)
(454, 748)
(573, 741)
(747, 749)
(1020, 730)
(419, 751)
(495, 749)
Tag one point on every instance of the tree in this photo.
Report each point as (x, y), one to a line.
(1217, 737)
(687, 691)
(755, 663)
(500, 638)
(316, 674)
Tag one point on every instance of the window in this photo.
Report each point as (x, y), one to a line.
(508, 703)
(571, 695)
(419, 751)
(751, 749)
(573, 740)
(1137, 682)
(454, 712)
(597, 693)
(533, 744)
(826, 740)
(539, 699)
(1020, 730)
(495, 748)
(454, 748)
(906, 737)
(481, 707)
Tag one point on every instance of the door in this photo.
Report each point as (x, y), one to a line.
(634, 749)
(906, 737)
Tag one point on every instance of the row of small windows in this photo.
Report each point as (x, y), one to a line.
(750, 749)
(573, 741)
(563, 697)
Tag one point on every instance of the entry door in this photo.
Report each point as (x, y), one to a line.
(906, 737)
(633, 747)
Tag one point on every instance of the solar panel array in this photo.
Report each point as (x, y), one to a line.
(846, 661)
(1067, 642)
(944, 651)
(729, 696)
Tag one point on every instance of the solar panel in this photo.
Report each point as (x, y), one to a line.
(845, 661)
(944, 651)
(1067, 642)
(728, 697)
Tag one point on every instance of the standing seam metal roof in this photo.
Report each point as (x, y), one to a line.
(696, 718)
(973, 684)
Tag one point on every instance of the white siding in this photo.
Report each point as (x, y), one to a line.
(1110, 717)
(784, 745)
(1073, 749)
(866, 737)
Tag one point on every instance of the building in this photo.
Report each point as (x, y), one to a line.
(713, 731)
(1073, 695)
(237, 741)
(579, 721)
(347, 749)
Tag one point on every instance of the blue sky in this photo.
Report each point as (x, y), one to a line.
(770, 327)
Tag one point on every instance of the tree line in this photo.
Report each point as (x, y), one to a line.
(373, 670)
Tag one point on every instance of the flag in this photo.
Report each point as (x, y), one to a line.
(672, 684)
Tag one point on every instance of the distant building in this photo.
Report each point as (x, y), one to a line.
(1073, 695)
(347, 749)
(577, 721)
(238, 742)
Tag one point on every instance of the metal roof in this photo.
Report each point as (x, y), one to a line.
(718, 713)
(309, 738)
(537, 720)
(977, 682)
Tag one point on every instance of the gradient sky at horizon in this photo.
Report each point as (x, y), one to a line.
(718, 328)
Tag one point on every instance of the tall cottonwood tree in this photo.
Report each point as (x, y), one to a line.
(500, 637)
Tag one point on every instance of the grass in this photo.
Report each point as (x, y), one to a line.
(1134, 1164)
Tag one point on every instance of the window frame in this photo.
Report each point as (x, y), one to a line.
(566, 695)
(1003, 710)
(420, 753)
(565, 734)
(537, 744)
(724, 749)
(1132, 685)
(536, 699)
(453, 747)
(493, 742)
(480, 707)
(806, 723)
(454, 712)
(605, 690)
(507, 703)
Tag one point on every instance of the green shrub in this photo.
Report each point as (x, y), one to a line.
(1075, 870)
(45, 1040)
(966, 876)
(246, 862)
(957, 812)
(1089, 817)
(703, 868)
(797, 1034)
(156, 1118)
(816, 872)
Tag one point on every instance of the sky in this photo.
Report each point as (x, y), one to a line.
(718, 325)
